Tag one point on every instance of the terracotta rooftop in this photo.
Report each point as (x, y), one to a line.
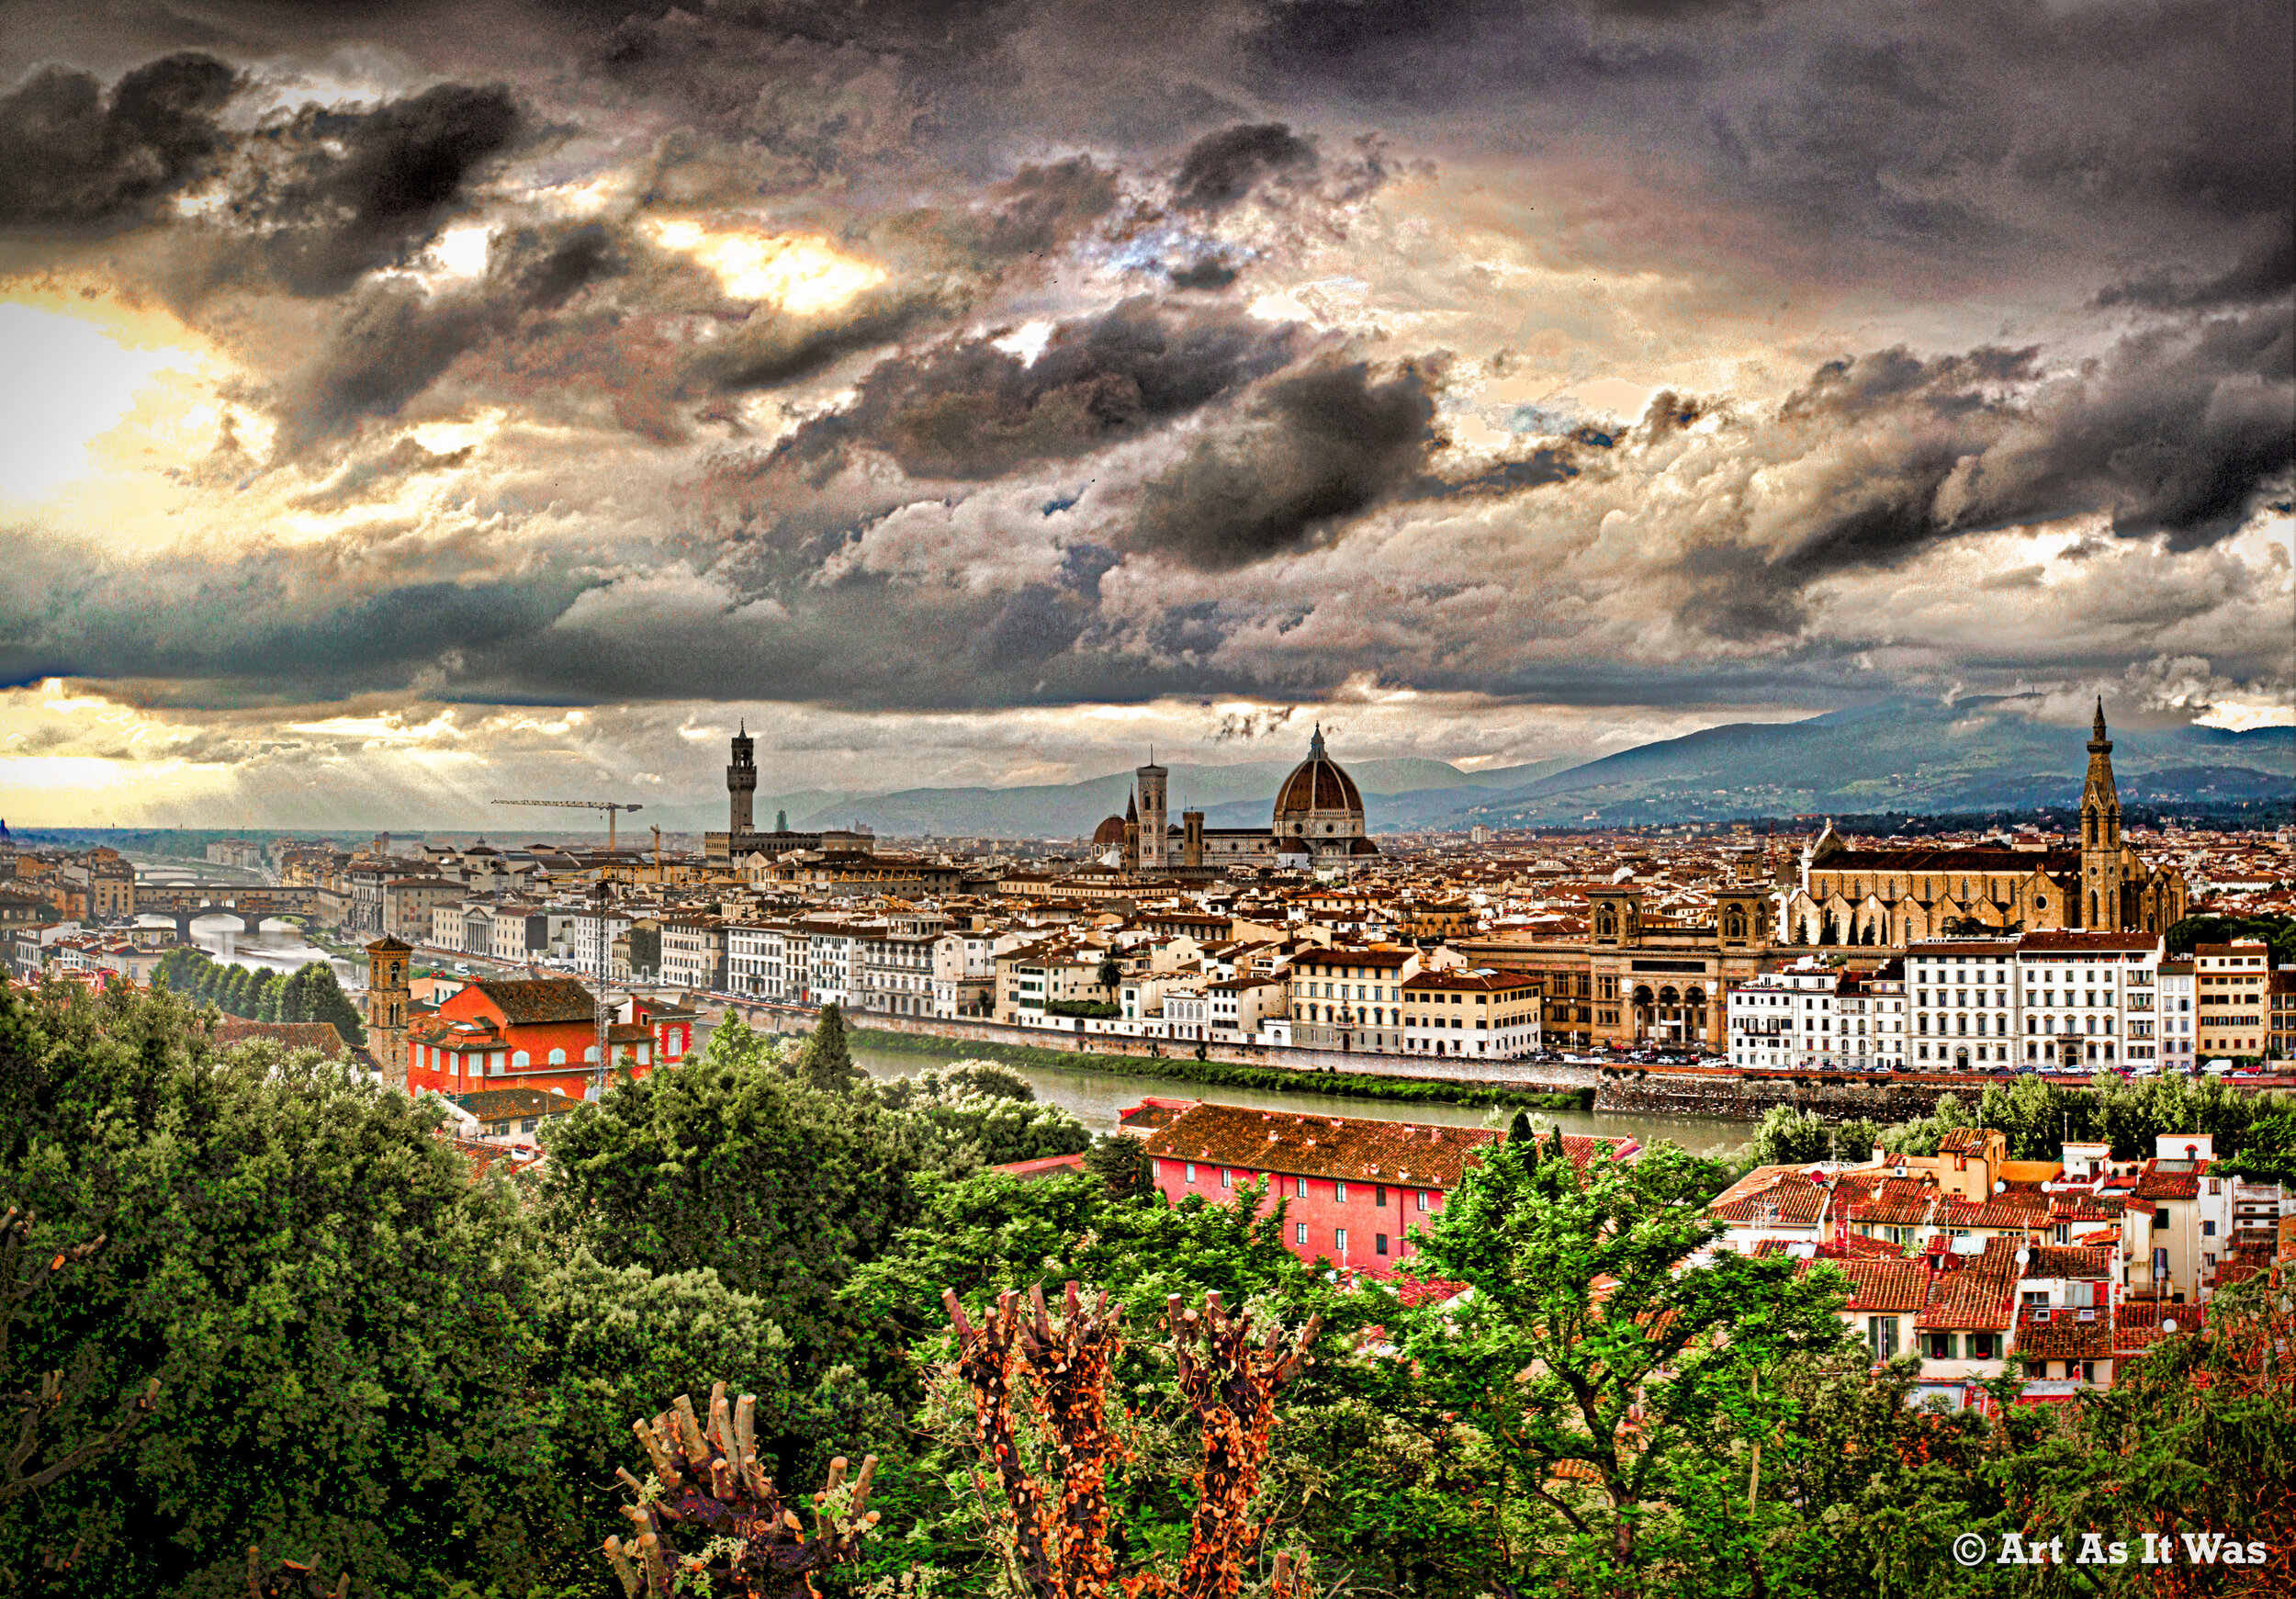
(1350, 1150)
(1976, 1292)
(2165, 1179)
(2064, 1260)
(1785, 1197)
(540, 999)
(2136, 1325)
(1884, 1286)
(231, 1031)
(2063, 1335)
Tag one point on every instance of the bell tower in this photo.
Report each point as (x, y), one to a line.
(1155, 850)
(2101, 859)
(390, 1002)
(741, 783)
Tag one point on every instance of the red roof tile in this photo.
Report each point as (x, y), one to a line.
(2063, 1336)
(1887, 1284)
(1406, 1153)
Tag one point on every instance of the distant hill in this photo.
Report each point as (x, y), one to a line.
(1239, 795)
(1901, 755)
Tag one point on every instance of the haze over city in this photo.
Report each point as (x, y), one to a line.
(415, 406)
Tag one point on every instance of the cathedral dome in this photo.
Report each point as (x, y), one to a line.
(1319, 798)
(1108, 832)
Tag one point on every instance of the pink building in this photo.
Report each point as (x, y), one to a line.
(1354, 1189)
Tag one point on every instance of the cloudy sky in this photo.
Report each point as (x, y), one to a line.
(411, 404)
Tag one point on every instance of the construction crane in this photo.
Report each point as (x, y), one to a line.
(609, 807)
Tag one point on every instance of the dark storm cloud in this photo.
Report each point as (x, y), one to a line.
(1043, 208)
(970, 409)
(773, 347)
(1210, 274)
(1221, 168)
(69, 154)
(248, 629)
(1313, 449)
(2266, 272)
(390, 340)
(2181, 430)
(367, 189)
(1976, 134)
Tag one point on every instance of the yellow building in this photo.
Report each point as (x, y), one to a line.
(2231, 985)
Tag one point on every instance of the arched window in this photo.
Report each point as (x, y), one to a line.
(1695, 997)
(558, 1057)
(1667, 996)
(590, 1055)
(521, 1059)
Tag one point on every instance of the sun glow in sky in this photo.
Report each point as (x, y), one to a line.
(64, 383)
(803, 275)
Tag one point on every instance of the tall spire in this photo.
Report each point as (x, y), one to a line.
(1315, 745)
(2097, 743)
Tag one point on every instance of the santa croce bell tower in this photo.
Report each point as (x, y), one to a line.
(2101, 834)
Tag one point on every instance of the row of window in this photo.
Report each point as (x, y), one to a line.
(1228, 1175)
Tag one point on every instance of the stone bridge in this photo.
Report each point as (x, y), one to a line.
(184, 903)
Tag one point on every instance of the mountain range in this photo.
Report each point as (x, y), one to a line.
(1899, 755)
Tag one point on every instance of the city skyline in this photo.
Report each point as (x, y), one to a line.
(410, 411)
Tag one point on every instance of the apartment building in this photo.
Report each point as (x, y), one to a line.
(1965, 998)
(1350, 998)
(1814, 1017)
(2231, 990)
(2173, 1016)
(896, 966)
(2090, 1000)
(1480, 1014)
(756, 954)
(693, 953)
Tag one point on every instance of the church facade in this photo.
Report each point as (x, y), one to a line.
(1895, 897)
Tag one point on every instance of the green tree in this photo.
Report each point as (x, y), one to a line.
(2199, 1438)
(1110, 976)
(826, 1063)
(730, 1165)
(1792, 1136)
(1609, 1372)
(329, 1302)
(1122, 1162)
(611, 1343)
(324, 1000)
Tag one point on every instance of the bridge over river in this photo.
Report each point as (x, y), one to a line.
(184, 903)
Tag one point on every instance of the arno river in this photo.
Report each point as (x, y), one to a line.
(1094, 1097)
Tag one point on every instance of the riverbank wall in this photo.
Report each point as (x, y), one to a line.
(1715, 1092)
(1735, 1098)
(1321, 1071)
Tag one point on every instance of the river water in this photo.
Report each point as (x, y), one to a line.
(280, 947)
(1093, 1097)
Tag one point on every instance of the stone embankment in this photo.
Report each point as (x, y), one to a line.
(1724, 1093)
(1553, 1077)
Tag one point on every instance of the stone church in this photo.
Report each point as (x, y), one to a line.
(1894, 897)
(1317, 822)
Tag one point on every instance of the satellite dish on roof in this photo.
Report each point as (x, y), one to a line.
(2169, 1324)
(1999, 1186)
(2024, 1256)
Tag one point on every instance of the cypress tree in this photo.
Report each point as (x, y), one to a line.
(828, 1063)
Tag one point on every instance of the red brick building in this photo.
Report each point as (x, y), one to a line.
(1353, 1189)
(522, 1034)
